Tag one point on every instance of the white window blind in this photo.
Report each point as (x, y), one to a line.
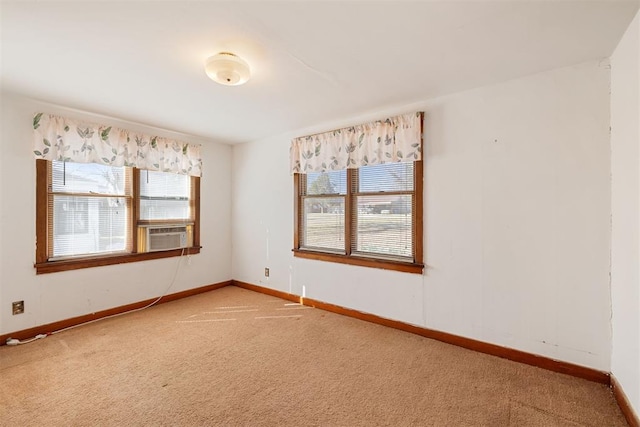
(382, 213)
(323, 211)
(89, 209)
(164, 196)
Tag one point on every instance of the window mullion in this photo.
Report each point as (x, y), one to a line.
(349, 226)
(195, 214)
(135, 209)
(418, 183)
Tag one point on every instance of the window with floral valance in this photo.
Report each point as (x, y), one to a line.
(106, 195)
(359, 194)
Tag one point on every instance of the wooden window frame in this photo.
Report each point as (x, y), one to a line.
(416, 266)
(42, 263)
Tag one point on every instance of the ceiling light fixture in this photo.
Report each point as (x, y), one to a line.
(227, 69)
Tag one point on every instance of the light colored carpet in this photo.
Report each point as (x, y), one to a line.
(233, 357)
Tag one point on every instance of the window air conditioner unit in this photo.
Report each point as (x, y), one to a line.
(165, 238)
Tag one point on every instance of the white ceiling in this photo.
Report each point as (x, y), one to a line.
(312, 62)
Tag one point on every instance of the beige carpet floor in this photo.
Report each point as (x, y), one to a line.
(233, 357)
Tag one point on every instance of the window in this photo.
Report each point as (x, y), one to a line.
(88, 209)
(323, 202)
(164, 196)
(369, 216)
(91, 215)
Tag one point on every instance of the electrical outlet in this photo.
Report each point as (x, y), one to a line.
(266, 272)
(18, 307)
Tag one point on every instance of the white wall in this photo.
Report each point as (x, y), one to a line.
(57, 296)
(625, 195)
(517, 219)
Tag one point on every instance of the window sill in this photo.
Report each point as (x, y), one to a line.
(100, 261)
(384, 264)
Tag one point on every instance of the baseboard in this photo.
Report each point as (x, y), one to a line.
(468, 343)
(623, 402)
(267, 291)
(62, 324)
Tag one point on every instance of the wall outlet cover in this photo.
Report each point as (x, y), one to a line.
(17, 307)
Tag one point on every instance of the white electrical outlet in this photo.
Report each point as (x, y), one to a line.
(17, 307)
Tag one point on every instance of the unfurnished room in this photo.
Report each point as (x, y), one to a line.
(320, 213)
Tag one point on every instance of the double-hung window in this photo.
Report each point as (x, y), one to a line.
(90, 211)
(364, 214)
(370, 216)
(91, 215)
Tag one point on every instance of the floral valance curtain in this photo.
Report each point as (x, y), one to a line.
(396, 139)
(59, 138)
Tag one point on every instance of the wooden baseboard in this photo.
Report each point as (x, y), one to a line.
(623, 402)
(468, 343)
(62, 324)
(267, 291)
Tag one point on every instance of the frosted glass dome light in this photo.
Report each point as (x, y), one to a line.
(227, 69)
